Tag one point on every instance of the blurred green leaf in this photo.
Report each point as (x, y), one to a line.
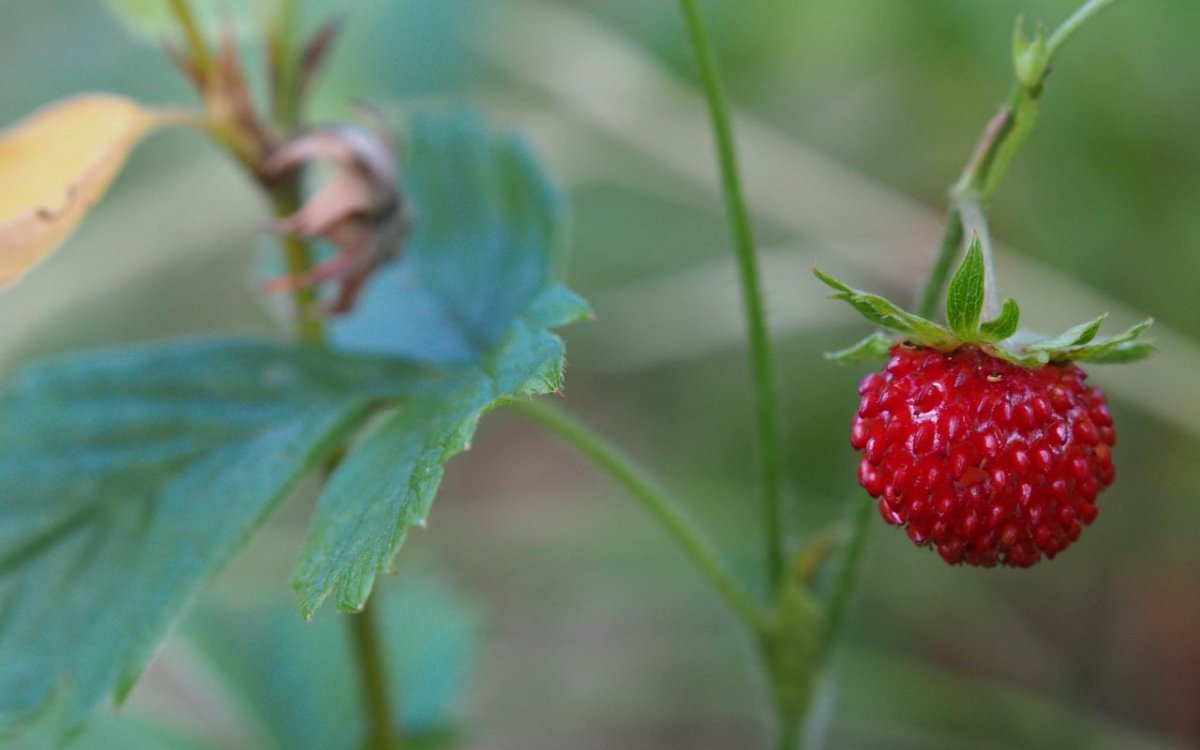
(964, 296)
(130, 477)
(488, 243)
(300, 681)
(476, 285)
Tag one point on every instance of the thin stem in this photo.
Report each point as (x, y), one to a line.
(939, 273)
(284, 56)
(201, 56)
(656, 501)
(298, 256)
(761, 357)
(364, 629)
(787, 733)
(1072, 25)
(1003, 137)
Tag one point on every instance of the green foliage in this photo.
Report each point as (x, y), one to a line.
(130, 477)
(964, 309)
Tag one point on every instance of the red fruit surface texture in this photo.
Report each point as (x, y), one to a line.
(986, 461)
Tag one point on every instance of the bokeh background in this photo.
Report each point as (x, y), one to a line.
(592, 632)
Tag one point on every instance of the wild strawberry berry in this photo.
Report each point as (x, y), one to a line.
(984, 460)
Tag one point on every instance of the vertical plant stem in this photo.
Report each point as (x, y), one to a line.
(939, 272)
(843, 588)
(298, 256)
(788, 733)
(377, 695)
(761, 357)
(201, 56)
(623, 469)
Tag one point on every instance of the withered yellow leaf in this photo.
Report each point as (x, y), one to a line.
(55, 165)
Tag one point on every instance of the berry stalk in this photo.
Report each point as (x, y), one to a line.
(1002, 138)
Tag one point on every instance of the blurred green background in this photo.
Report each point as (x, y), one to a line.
(858, 115)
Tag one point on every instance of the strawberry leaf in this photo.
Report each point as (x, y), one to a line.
(964, 297)
(1005, 324)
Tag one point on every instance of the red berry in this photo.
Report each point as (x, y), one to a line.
(986, 461)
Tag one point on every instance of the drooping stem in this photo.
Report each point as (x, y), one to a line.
(1003, 137)
(770, 455)
(1072, 25)
(656, 501)
(376, 692)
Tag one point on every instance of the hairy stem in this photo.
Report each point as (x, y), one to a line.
(656, 501)
(761, 357)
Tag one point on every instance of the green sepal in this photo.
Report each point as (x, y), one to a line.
(1075, 336)
(1031, 57)
(964, 297)
(883, 312)
(872, 347)
(1004, 325)
(1110, 349)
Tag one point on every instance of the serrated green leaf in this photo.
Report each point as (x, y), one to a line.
(476, 286)
(299, 679)
(1005, 324)
(1074, 336)
(872, 347)
(887, 314)
(964, 296)
(130, 477)
(490, 225)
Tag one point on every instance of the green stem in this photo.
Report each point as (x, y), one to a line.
(623, 469)
(1072, 25)
(364, 628)
(1003, 137)
(201, 56)
(298, 256)
(787, 733)
(761, 358)
(284, 55)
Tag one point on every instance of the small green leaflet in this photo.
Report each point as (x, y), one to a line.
(964, 296)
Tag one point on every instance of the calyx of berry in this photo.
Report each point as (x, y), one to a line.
(965, 325)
